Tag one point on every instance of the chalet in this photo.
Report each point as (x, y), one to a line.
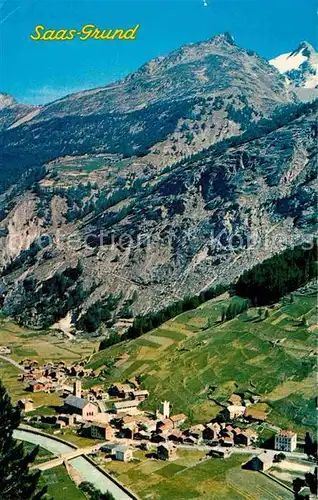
(127, 419)
(99, 393)
(120, 390)
(26, 405)
(142, 435)
(157, 438)
(227, 428)
(128, 431)
(129, 407)
(149, 425)
(165, 425)
(246, 437)
(139, 395)
(68, 419)
(38, 386)
(60, 424)
(176, 436)
(236, 431)
(86, 409)
(124, 356)
(190, 440)
(209, 433)
(234, 411)
(262, 462)
(166, 451)
(217, 427)
(102, 431)
(123, 453)
(178, 420)
(196, 431)
(247, 402)
(227, 441)
(76, 371)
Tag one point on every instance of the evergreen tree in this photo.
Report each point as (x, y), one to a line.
(16, 480)
(93, 493)
(308, 449)
(269, 281)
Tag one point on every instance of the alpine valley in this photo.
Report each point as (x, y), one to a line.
(181, 176)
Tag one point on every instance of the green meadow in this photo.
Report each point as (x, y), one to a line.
(196, 361)
(193, 476)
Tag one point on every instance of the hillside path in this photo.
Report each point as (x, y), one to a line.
(14, 363)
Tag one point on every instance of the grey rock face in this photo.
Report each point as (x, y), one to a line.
(200, 203)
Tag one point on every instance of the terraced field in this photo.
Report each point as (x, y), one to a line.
(42, 346)
(190, 475)
(196, 361)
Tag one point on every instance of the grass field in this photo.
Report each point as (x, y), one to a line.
(60, 485)
(191, 476)
(190, 363)
(42, 345)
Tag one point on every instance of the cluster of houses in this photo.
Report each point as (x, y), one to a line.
(115, 416)
(243, 408)
(51, 376)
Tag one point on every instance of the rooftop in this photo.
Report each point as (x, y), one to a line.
(126, 404)
(266, 456)
(122, 448)
(286, 434)
(79, 403)
(180, 416)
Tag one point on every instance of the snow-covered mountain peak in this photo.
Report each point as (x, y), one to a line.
(300, 67)
(6, 100)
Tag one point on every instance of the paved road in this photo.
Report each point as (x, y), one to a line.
(14, 363)
(249, 450)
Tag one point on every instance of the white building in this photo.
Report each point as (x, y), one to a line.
(123, 453)
(165, 409)
(234, 411)
(286, 441)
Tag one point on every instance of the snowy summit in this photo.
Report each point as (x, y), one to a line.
(299, 67)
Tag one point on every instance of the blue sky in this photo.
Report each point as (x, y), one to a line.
(38, 72)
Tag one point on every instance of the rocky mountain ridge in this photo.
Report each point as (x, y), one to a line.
(186, 185)
(300, 69)
(12, 112)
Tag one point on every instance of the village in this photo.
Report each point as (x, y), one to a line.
(116, 416)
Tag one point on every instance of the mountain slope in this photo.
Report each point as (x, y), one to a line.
(205, 221)
(195, 361)
(12, 112)
(170, 108)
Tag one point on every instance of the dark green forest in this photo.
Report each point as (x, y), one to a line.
(283, 273)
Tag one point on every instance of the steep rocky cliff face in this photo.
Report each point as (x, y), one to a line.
(102, 225)
(12, 112)
(170, 108)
